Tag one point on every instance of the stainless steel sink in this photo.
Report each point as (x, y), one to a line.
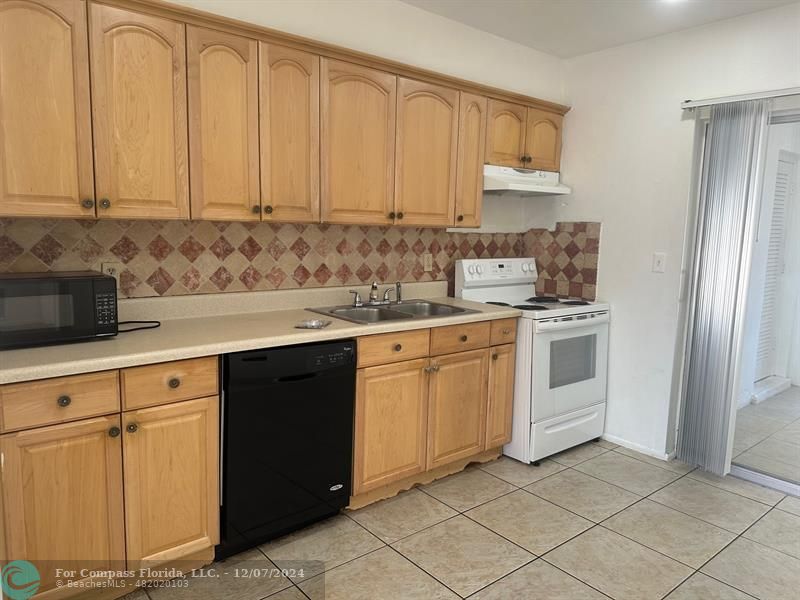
(410, 309)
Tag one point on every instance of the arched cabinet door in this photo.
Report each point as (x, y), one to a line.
(138, 65)
(358, 143)
(427, 145)
(505, 134)
(289, 99)
(45, 117)
(543, 139)
(223, 125)
(471, 150)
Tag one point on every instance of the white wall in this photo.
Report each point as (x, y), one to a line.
(628, 157)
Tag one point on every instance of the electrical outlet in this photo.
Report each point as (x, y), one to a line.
(659, 262)
(113, 269)
(427, 262)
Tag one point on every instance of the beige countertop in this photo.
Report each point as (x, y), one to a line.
(178, 339)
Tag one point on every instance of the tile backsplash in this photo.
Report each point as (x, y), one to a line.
(162, 258)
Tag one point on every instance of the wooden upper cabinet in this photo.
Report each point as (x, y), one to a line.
(45, 120)
(289, 100)
(358, 143)
(223, 125)
(543, 139)
(138, 66)
(505, 134)
(471, 150)
(427, 145)
(457, 406)
(501, 395)
(62, 497)
(171, 469)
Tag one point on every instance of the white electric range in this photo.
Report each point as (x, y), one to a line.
(561, 357)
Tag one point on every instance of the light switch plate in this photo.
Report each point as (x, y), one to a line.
(427, 262)
(659, 262)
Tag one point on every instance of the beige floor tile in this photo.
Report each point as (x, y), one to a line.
(582, 494)
(321, 546)
(675, 466)
(543, 526)
(628, 473)
(739, 486)
(383, 574)
(538, 581)
(779, 530)
(711, 504)
(743, 439)
(463, 555)
(703, 587)
(291, 593)
(578, 454)
(398, 517)
(607, 445)
(618, 566)
(518, 473)
(755, 423)
(774, 457)
(468, 489)
(758, 570)
(227, 586)
(790, 504)
(670, 532)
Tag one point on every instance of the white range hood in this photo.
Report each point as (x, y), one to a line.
(525, 182)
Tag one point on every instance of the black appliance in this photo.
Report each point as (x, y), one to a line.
(37, 309)
(287, 440)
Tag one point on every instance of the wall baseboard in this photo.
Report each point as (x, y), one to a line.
(637, 447)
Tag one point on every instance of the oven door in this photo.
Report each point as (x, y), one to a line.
(570, 363)
(45, 311)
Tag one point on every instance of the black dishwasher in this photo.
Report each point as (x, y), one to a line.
(287, 440)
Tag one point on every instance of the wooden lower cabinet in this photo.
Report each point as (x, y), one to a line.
(501, 395)
(457, 406)
(171, 471)
(390, 424)
(62, 497)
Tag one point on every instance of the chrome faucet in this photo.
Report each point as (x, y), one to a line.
(373, 293)
(398, 296)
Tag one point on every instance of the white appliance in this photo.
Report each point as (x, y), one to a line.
(526, 182)
(562, 357)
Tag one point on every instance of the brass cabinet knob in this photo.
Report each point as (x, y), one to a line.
(460, 218)
(398, 347)
(256, 210)
(87, 203)
(114, 432)
(506, 330)
(391, 215)
(464, 338)
(105, 203)
(399, 215)
(174, 383)
(268, 209)
(64, 401)
(132, 428)
(495, 356)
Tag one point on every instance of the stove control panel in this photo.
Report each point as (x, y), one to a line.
(481, 272)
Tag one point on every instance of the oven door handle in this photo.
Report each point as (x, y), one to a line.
(574, 324)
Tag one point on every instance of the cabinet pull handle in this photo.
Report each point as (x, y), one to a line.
(506, 330)
(427, 369)
(495, 355)
(87, 203)
(64, 401)
(105, 203)
(460, 218)
(435, 368)
(398, 347)
(268, 209)
(174, 383)
(132, 428)
(464, 338)
(114, 431)
(391, 216)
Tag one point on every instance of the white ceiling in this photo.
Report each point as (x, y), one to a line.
(568, 28)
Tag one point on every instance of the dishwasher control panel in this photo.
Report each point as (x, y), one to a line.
(343, 355)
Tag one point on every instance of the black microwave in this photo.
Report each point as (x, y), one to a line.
(37, 309)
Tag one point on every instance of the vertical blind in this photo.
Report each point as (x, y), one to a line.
(728, 192)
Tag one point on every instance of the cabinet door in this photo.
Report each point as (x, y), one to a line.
(505, 134)
(45, 127)
(427, 145)
(139, 106)
(223, 125)
(171, 480)
(543, 139)
(358, 143)
(391, 423)
(501, 395)
(62, 497)
(457, 408)
(471, 150)
(289, 100)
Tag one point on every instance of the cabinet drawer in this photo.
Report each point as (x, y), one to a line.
(48, 401)
(504, 331)
(456, 338)
(169, 382)
(388, 348)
